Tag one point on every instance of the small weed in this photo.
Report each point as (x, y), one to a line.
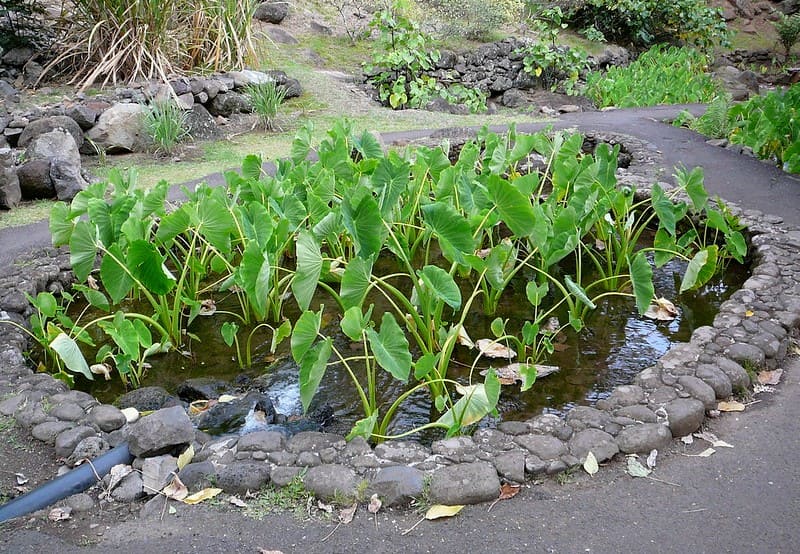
(165, 123)
(294, 498)
(6, 423)
(266, 99)
(565, 477)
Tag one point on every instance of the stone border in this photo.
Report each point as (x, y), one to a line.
(667, 400)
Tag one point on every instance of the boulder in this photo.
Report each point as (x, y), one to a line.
(229, 103)
(118, 129)
(10, 192)
(225, 417)
(160, 432)
(46, 124)
(59, 147)
(34, 180)
(201, 124)
(85, 116)
(271, 12)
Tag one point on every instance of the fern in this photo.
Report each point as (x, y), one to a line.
(715, 123)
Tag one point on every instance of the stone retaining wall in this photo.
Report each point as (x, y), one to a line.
(665, 401)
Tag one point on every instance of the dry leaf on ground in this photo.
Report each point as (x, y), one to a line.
(346, 514)
(440, 510)
(59, 514)
(493, 349)
(508, 490)
(201, 496)
(635, 468)
(176, 490)
(730, 406)
(770, 377)
(651, 458)
(374, 504)
(236, 501)
(712, 438)
(590, 464)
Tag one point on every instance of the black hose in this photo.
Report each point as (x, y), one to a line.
(73, 482)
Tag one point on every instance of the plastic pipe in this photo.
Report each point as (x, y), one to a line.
(73, 482)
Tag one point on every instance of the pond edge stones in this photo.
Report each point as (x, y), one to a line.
(667, 400)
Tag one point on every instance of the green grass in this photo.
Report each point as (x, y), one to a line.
(293, 498)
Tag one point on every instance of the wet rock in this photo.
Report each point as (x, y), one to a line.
(201, 388)
(240, 477)
(264, 441)
(198, 475)
(598, 442)
(146, 399)
(226, 417)
(160, 432)
(644, 438)
(49, 430)
(397, 485)
(464, 484)
(685, 416)
(542, 446)
(330, 480)
(88, 449)
(511, 466)
(66, 441)
(698, 389)
(157, 472)
(107, 418)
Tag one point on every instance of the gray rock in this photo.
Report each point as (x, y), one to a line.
(329, 480)
(698, 389)
(47, 124)
(626, 395)
(240, 477)
(88, 449)
(457, 449)
(685, 416)
(119, 129)
(264, 441)
(160, 432)
(18, 56)
(34, 180)
(745, 354)
(271, 12)
(534, 465)
(308, 459)
(107, 418)
(585, 417)
(283, 476)
(157, 472)
(291, 87)
(225, 417)
(464, 484)
(397, 485)
(198, 475)
(10, 191)
(85, 116)
(550, 424)
(60, 148)
(80, 502)
(514, 427)
(67, 411)
(280, 36)
(129, 489)
(740, 380)
(67, 440)
(201, 124)
(146, 399)
(313, 441)
(598, 442)
(49, 430)
(511, 466)
(639, 413)
(542, 446)
(644, 438)
(229, 103)
(716, 379)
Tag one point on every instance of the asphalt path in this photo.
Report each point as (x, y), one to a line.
(744, 499)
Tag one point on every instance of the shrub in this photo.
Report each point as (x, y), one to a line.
(266, 99)
(644, 82)
(715, 122)
(165, 123)
(472, 19)
(116, 40)
(646, 22)
(770, 125)
(788, 29)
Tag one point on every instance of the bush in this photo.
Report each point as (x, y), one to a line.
(788, 29)
(659, 76)
(165, 123)
(266, 99)
(128, 40)
(770, 125)
(715, 122)
(472, 19)
(647, 22)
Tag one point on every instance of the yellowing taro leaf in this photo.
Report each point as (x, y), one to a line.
(508, 491)
(227, 398)
(590, 464)
(186, 457)
(730, 406)
(493, 349)
(202, 496)
(176, 490)
(749, 313)
(440, 510)
(662, 310)
(770, 377)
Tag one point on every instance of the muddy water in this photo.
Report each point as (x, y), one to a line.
(615, 345)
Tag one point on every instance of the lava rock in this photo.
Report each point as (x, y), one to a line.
(160, 432)
(397, 485)
(464, 484)
(328, 481)
(644, 438)
(598, 442)
(685, 416)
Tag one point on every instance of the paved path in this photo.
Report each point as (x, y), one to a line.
(740, 500)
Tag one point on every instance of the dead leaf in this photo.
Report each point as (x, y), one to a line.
(510, 374)
(227, 398)
(651, 459)
(508, 490)
(635, 468)
(202, 496)
(60, 514)
(236, 501)
(590, 464)
(770, 377)
(440, 510)
(704, 454)
(730, 406)
(493, 349)
(21, 479)
(346, 514)
(101, 369)
(172, 510)
(91, 282)
(463, 338)
(483, 253)
(186, 457)
(199, 406)
(712, 438)
(374, 504)
(118, 473)
(662, 310)
(328, 508)
(176, 490)
(688, 439)
(207, 307)
(749, 313)
(551, 326)
(131, 414)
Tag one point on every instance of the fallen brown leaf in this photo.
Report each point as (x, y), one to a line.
(59, 514)
(730, 406)
(770, 377)
(508, 491)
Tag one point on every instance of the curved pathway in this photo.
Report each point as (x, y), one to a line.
(739, 500)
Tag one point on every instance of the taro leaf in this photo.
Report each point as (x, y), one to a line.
(228, 332)
(451, 230)
(642, 280)
(390, 348)
(355, 282)
(67, 349)
(305, 333)
(254, 274)
(251, 167)
(514, 208)
(693, 181)
(147, 266)
(301, 145)
(476, 402)
(46, 303)
(536, 293)
(664, 208)
(700, 269)
(368, 146)
(202, 495)
(214, 222)
(715, 220)
(440, 510)
(364, 223)
(665, 247)
(283, 331)
(61, 224)
(635, 468)
(424, 366)
(101, 369)
(736, 245)
(578, 291)
(82, 250)
(363, 427)
(442, 284)
(590, 464)
(309, 267)
(499, 262)
(173, 224)
(390, 179)
(95, 298)
(99, 213)
(498, 327)
(312, 369)
(353, 323)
